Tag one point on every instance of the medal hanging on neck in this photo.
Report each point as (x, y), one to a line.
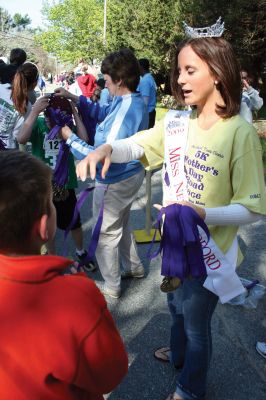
(2, 145)
(59, 113)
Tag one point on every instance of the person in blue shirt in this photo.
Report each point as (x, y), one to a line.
(251, 100)
(126, 115)
(147, 88)
(105, 95)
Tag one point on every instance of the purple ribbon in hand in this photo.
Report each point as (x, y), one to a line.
(97, 229)
(60, 119)
(180, 245)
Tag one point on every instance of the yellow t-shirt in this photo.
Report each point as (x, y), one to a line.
(223, 165)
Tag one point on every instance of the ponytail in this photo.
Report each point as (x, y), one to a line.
(24, 79)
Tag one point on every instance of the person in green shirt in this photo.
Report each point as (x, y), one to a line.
(35, 130)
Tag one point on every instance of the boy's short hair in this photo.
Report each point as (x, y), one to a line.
(101, 83)
(25, 189)
(17, 56)
(144, 63)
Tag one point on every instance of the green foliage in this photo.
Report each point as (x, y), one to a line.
(15, 32)
(20, 22)
(151, 28)
(245, 25)
(5, 20)
(148, 27)
(75, 29)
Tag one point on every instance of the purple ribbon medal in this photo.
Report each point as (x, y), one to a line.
(60, 176)
(2, 145)
(180, 244)
(97, 229)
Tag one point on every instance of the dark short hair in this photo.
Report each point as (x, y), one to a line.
(223, 65)
(101, 82)
(144, 63)
(122, 64)
(17, 56)
(25, 185)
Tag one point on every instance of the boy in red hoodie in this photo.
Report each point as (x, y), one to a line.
(58, 339)
(86, 82)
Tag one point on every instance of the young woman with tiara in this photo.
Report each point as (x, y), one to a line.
(212, 164)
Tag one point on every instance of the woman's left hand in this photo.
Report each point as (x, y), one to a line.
(201, 211)
(61, 92)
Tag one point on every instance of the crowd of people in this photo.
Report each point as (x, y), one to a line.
(61, 341)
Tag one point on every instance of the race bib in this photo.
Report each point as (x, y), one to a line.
(51, 147)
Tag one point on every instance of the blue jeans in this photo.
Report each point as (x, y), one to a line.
(191, 307)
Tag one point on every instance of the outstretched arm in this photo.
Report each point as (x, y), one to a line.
(79, 148)
(88, 164)
(121, 151)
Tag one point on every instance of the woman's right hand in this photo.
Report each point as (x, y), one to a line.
(88, 164)
(40, 105)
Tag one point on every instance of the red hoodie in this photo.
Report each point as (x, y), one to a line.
(58, 339)
(87, 84)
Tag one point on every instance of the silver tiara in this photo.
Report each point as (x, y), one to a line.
(215, 30)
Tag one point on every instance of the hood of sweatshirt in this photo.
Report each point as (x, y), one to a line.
(32, 268)
(86, 79)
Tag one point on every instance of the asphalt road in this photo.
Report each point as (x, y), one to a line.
(237, 372)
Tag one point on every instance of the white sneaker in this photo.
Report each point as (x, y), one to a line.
(261, 348)
(136, 273)
(115, 294)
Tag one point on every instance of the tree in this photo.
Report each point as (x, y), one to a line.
(245, 25)
(5, 20)
(20, 22)
(75, 29)
(147, 27)
(152, 28)
(11, 37)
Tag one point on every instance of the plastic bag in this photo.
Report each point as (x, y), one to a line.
(249, 299)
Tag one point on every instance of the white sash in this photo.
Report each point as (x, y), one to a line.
(222, 279)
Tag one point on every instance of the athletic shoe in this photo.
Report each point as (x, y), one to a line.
(261, 348)
(115, 294)
(88, 266)
(136, 273)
